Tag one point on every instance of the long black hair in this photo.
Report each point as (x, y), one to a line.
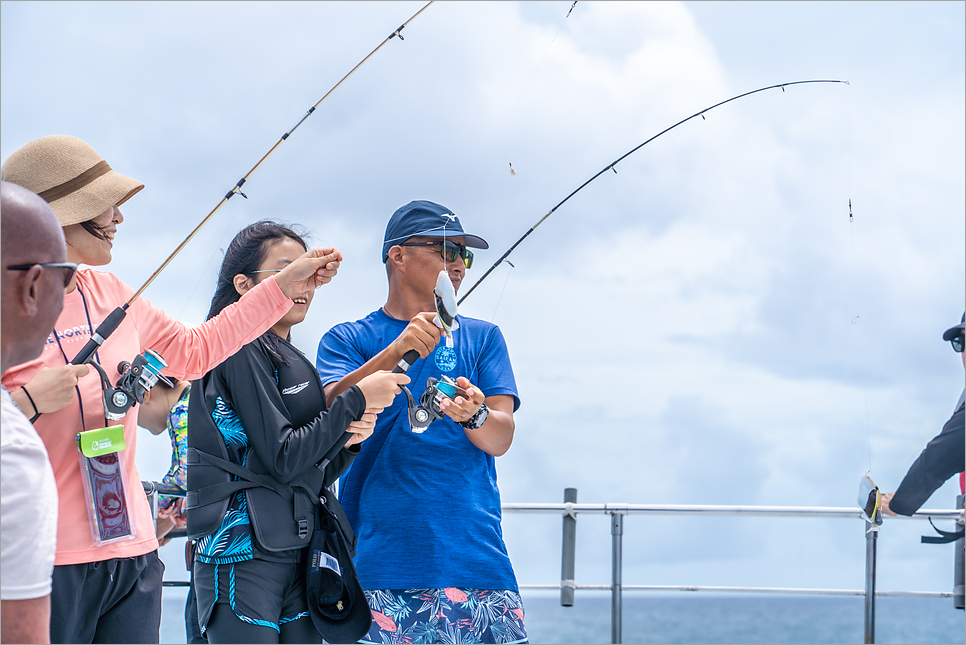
(244, 256)
(100, 232)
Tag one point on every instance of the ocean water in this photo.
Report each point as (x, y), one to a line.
(706, 618)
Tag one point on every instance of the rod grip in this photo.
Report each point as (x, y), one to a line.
(406, 362)
(103, 330)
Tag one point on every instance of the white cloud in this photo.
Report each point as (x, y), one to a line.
(681, 331)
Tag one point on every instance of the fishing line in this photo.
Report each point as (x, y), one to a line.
(856, 344)
(218, 247)
(110, 324)
(500, 298)
(237, 188)
(536, 69)
(612, 167)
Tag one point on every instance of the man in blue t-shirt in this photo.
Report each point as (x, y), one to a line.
(425, 506)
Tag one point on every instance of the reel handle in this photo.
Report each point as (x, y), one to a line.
(404, 364)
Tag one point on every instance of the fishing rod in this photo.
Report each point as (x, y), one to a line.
(140, 376)
(611, 165)
(110, 324)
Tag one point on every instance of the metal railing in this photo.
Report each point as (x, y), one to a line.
(570, 508)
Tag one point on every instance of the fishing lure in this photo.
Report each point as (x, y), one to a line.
(870, 501)
(445, 296)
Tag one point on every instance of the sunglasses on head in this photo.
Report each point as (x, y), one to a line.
(448, 250)
(68, 273)
(957, 343)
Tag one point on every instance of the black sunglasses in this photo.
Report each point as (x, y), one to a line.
(68, 274)
(957, 343)
(449, 251)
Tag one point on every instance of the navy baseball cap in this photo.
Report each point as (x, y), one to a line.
(427, 219)
(952, 332)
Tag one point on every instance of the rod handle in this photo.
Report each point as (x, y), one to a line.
(406, 362)
(103, 331)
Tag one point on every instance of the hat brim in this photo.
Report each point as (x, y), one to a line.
(87, 202)
(952, 332)
(354, 626)
(473, 241)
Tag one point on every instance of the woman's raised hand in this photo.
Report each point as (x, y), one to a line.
(311, 271)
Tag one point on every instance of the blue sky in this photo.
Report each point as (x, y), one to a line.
(705, 326)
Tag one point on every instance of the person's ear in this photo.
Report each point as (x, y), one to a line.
(31, 290)
(395, 256)
(243, 284)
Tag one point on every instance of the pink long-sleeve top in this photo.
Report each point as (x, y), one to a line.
(189, 353)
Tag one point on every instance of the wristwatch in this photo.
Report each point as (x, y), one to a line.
(477, 420)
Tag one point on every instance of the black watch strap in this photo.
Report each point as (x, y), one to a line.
(477, 420)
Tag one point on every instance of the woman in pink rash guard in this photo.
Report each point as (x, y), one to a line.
(112, 593)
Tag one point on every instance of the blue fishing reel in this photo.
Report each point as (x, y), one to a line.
(428, 410)
(136, 380)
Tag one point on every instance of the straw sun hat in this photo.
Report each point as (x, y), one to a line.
(70, 176)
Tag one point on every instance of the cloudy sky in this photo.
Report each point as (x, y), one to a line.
(706, 326)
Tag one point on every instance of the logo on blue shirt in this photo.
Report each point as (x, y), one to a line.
(445, 358)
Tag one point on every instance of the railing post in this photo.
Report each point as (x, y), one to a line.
(152, 494)
(616, 612)
(568, 552)
(959, 573)
(870, 543)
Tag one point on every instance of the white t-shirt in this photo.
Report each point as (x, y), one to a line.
(28, 508)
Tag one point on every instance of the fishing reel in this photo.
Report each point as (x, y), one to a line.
(136, 380)
(428, 409)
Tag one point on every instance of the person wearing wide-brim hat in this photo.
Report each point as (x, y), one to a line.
(107, 585)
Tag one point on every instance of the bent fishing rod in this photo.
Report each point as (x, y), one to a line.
(110, 324)
(611, 165)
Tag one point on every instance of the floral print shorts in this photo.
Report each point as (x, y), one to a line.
(448, 615)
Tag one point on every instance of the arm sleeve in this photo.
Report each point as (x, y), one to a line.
(495, 371)
(942, 458)
(192, 351)
(178, 433)
(339, 354)
(284, 450)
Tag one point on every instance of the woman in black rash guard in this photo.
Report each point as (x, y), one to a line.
(264, 410)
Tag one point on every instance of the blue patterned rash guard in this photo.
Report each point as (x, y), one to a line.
(425, 507)
(177, 427)
(232, 542)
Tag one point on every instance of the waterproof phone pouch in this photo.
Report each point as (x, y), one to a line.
(102, 461)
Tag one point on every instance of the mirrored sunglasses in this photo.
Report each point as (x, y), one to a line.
(70, 268)
(957, 343)
(449, 251)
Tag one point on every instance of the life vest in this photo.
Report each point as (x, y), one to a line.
(282, 515)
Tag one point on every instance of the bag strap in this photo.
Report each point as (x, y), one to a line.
(945, 537)
(248, 479)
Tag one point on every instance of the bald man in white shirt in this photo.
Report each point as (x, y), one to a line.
(34, 273)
